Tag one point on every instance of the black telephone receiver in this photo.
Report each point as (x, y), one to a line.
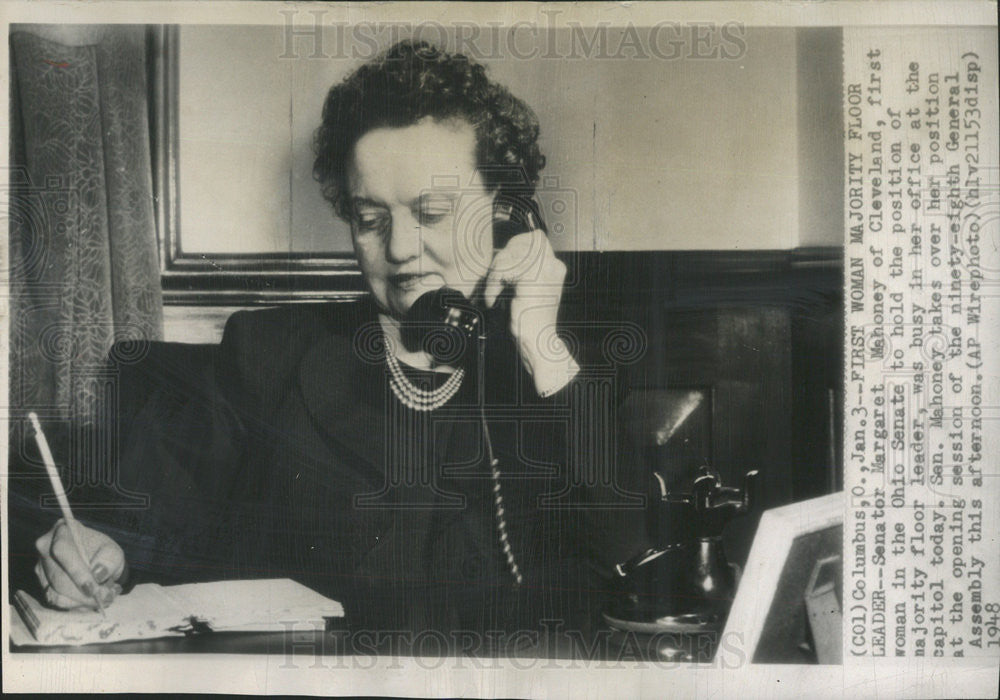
(453, 329)
(447, 325)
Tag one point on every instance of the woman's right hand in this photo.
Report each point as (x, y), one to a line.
(69, 581)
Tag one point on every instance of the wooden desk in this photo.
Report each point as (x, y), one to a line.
(602, 645)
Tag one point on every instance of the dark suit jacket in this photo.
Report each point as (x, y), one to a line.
(298, 461)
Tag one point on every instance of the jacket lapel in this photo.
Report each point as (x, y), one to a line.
(343, 385)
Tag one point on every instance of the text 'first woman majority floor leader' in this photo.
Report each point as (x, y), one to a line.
(338, 452)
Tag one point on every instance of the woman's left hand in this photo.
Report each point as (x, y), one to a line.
(528, 265)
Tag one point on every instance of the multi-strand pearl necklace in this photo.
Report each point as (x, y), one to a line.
(413, 396)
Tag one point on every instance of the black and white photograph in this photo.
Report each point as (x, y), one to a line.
(537, 349)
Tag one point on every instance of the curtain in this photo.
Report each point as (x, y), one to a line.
(83, 258)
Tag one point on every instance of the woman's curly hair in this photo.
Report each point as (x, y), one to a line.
(411, 81)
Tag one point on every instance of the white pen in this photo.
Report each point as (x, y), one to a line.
(71, 524)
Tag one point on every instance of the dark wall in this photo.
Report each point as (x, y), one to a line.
(758, 333)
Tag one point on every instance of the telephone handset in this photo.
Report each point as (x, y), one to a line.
(447, 325)
(453, 329)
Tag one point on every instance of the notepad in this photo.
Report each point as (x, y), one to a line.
(149, 611)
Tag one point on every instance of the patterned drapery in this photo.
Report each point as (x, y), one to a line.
(83, 261)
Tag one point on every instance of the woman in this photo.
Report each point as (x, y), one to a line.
(424, 491)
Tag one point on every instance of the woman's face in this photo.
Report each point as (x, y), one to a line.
(422, 218)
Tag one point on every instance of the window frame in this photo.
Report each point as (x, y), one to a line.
(230, 279)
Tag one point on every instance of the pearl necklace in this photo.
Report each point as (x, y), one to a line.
(413, 396)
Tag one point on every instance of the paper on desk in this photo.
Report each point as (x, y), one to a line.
(145, 613)
(258, 605)
(151, 611)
